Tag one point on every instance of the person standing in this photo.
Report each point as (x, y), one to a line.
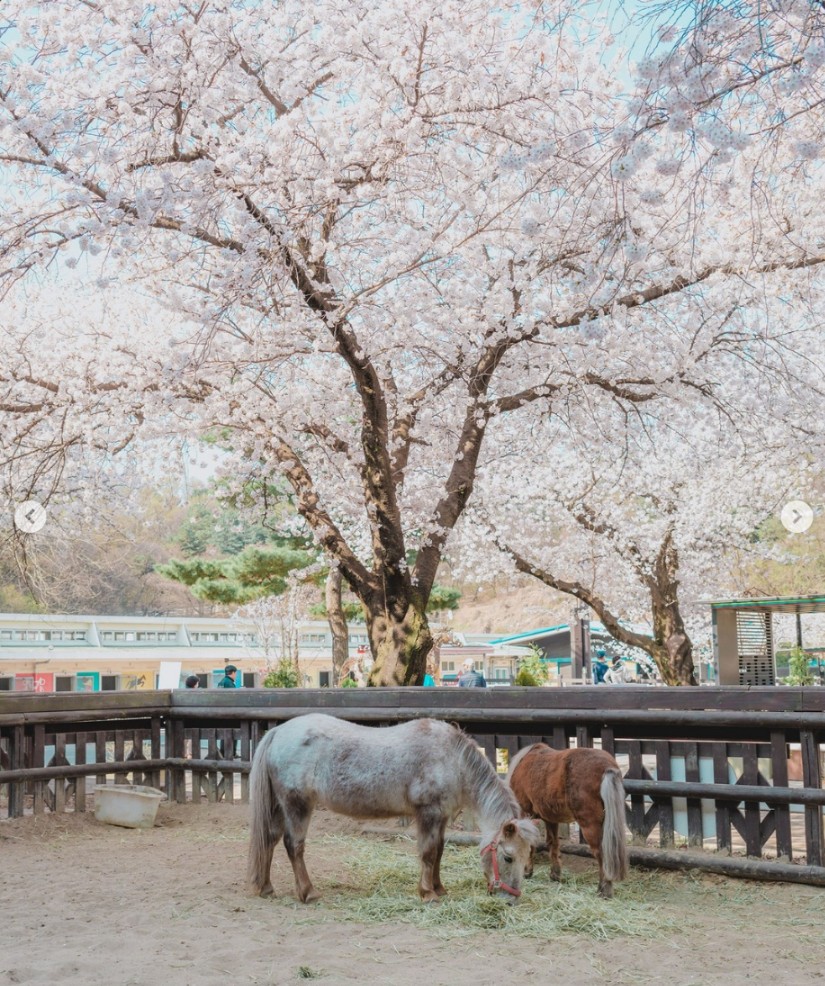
(469, 677)
(228, 680)
(193, 681)
(599, 668)
(615, 674)
(227, 747)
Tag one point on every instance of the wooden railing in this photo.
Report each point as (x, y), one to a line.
(704, 767)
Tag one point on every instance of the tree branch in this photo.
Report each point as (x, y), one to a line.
(585, 595)
(324, 528)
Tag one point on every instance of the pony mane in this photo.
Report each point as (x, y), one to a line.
(493, 799)
(514, 761)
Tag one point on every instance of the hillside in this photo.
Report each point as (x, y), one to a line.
(510, 607)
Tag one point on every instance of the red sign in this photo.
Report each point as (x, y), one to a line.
(37, 682)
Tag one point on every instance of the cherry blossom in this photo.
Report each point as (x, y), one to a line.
(375, 235)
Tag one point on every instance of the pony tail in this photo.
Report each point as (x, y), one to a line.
(614, 844)
(266, 824)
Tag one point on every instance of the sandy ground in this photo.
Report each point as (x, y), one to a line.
(83, 902)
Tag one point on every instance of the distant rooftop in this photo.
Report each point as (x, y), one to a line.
(595, 628)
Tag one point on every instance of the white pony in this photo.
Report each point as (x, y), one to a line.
(424, 768)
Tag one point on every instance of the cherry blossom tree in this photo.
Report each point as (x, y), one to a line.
(276, 621)
(376, 230)
(714, 62)
(638, 518)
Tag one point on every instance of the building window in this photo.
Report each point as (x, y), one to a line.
(6, 684)
(448, 665)
(108, 682)
(63, 683)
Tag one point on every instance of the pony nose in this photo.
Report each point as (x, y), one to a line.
(507, 898)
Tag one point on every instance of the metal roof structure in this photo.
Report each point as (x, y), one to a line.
(781, 604)
(534, 635)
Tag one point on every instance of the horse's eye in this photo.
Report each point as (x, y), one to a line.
(508, 858)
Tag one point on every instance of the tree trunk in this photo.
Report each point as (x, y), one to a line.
(399, 644)
(671, 647)
(337, 623)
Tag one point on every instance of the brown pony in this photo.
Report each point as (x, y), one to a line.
(581, 785)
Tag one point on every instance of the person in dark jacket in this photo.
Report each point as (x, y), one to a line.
(193, 681)
(227, 747)
(469, 677)
(228, 680)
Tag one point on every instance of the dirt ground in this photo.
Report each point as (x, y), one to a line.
(83, 902)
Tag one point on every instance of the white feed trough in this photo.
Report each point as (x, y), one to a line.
(130, 805)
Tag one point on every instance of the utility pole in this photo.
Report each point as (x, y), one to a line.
(580, 643)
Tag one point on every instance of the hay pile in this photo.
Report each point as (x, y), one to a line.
(382, 880)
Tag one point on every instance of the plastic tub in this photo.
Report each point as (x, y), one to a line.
(131, 805)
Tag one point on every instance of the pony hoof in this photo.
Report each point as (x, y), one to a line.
(268, 891)
(431, 897)
(606, 892)
(312, 896)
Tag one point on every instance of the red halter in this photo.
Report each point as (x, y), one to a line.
(497, 883)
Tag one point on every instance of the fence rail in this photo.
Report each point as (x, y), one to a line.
(706, 769)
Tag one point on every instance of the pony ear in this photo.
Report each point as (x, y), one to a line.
(529, 831)
(509, 829)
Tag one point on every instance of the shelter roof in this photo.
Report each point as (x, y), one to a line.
(773, 604)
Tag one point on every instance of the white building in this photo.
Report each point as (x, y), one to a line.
(48, 653)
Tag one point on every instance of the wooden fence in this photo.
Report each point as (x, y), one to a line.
(706, 769)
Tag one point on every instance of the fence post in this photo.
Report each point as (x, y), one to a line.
(17, 739)
(812, 777)
(782, 813)
(176, 775)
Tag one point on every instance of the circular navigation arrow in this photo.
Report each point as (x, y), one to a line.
(796, 516)
(30, 517)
